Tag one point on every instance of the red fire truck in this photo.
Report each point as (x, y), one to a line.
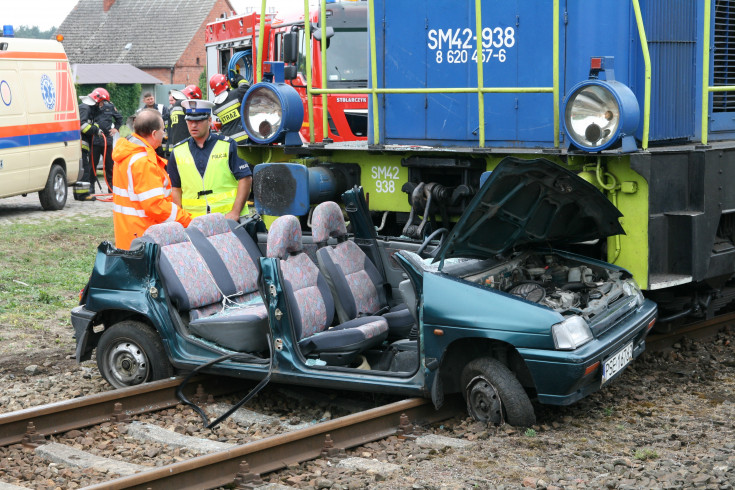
(232, 47)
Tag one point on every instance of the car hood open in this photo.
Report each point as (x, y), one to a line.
(527, 202)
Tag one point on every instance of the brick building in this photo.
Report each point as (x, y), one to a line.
(164, 38)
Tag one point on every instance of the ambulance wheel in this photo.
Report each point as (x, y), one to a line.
(493, 394)
(130, 353)
(53, 196)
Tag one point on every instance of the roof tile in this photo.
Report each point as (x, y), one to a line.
(143, 33)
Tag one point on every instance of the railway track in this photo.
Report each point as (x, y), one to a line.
(25, 426)
(55, 434)
(51, 434)
(699, 330)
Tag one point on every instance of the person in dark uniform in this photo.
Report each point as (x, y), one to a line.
(88, 131)
(149, 102)
(227, 102)
(177, 130)
(108, 120)
(207, 175)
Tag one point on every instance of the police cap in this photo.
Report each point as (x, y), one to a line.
(196, 109)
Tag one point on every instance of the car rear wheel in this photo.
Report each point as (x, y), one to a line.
(130, 353)
(493, 394)
(53, 196)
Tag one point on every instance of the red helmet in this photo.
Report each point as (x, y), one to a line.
(99, 94)
(218, 83)
(192, 92)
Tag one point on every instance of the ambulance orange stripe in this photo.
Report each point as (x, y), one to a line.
(33, 55)
(54, 127)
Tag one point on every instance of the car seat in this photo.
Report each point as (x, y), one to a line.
(311, 305)
(355, 282)
(218, 310)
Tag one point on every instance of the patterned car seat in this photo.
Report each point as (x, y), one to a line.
(219, 311)
(311, 304)
(354, 280)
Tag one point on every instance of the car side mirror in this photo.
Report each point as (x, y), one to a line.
(290, 47)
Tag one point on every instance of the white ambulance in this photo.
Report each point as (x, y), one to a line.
(40, 149)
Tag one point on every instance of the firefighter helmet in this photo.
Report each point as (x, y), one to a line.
(192, 92)
(99, 94)
(218, 83)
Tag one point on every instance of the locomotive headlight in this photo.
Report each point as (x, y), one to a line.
(598, 113)
(272, 113)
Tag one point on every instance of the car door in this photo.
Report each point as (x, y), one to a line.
(14, 138)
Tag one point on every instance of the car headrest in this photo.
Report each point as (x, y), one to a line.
(210, 224)
(166, 233)
(284, 237)
(327, 221)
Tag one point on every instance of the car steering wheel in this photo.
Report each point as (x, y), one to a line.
(432, 236)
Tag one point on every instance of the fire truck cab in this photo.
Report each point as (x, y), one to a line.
(232, 45)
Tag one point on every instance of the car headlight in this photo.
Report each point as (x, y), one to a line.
(272, 113)
(598, 113)
(571, 333)
(631, 288)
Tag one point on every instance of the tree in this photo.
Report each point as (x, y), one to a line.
(203, 85)
(33, 32)
(125, 97)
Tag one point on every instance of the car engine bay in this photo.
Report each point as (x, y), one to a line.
(564, 285)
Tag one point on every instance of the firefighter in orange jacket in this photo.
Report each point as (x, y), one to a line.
(141, 186)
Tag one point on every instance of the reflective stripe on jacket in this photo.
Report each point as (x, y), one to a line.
(177, 129)
(229, 114)
(141, 191)
(218, 185)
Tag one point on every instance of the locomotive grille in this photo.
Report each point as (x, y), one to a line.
(724, 54)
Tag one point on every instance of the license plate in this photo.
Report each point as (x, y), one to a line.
(617, 362)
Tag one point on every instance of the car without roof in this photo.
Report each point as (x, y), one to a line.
(495, 311)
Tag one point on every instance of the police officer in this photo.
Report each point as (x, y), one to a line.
(108, 119)
(227, 104)
(207, 175)
(176, 129)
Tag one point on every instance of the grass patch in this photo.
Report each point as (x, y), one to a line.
(645, 454)
(44, 266)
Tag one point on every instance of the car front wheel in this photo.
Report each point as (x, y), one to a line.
(493, 394)
(130, 353)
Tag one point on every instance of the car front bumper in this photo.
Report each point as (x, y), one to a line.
(563, 377)
(81, 320)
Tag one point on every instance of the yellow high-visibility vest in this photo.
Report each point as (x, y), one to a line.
(215, 193)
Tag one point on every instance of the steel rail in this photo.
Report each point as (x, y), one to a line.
(701, 329)
(63, 416)
(273, 453)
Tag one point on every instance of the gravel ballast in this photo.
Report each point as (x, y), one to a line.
(668, 422)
